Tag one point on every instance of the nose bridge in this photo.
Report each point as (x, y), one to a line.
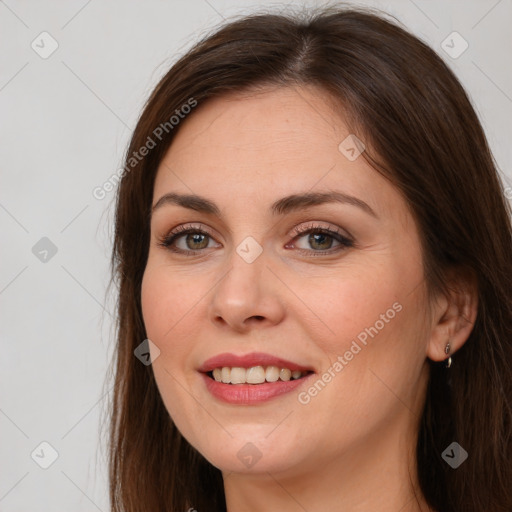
(240, 287)
(245, 291)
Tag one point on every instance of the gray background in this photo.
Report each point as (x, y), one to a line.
(65, 123)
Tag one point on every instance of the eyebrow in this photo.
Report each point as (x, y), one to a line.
(280, 207)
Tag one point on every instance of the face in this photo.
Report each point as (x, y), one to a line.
(335, 287)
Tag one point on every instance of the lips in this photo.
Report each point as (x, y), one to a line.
(240, 393)
(250, 360)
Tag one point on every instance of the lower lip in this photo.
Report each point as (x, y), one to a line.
(247, 394)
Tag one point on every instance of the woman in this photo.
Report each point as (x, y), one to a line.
(313, 250)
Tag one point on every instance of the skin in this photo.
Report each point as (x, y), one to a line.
(351, 447)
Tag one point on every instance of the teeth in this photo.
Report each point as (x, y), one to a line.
(226, 375)
(255, 374)
(272, 374)
(285, 374)
(238, 375)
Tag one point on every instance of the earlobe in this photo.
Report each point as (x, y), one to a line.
(454, 321)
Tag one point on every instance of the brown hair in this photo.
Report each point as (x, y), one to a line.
(422, 133)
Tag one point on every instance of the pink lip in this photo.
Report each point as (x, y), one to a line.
(248, 394)
(249, 360)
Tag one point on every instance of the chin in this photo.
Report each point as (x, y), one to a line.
(253, 454)
(266, 464)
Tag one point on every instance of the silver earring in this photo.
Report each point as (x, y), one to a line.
(447, 351)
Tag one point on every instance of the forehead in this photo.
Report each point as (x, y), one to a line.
(275, 142)
(279, 122)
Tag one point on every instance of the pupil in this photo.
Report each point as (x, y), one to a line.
(313, 238)
(196, 239)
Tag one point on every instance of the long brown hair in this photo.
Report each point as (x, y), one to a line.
(423, 134)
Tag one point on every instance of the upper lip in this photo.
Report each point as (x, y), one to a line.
(248, 361)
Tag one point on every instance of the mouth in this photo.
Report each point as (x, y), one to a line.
(252, 378)
(255, 375)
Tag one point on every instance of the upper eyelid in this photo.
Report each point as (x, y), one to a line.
(313, 225)
(297, 231)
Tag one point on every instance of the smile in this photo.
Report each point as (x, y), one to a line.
(252, 378)
(244, 393)
(255, 374)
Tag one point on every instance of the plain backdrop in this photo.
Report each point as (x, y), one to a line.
(66, 119)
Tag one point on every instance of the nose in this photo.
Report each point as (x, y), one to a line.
(247, 296)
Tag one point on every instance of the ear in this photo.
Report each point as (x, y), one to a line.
(454, 315)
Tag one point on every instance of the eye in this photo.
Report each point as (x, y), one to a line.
(321, 240)
(318, 240)
(193, 240)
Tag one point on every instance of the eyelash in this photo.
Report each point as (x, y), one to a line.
(298, 232)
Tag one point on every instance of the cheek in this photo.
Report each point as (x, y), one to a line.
(358, 305)
(366, 325)
(155, 304)
(169, 306)
(377, 346)
(166, 300)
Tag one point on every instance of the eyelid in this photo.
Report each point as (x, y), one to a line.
(183, 229)
(199, 226)
(346, 239)
(302, 229)
(297, 230)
